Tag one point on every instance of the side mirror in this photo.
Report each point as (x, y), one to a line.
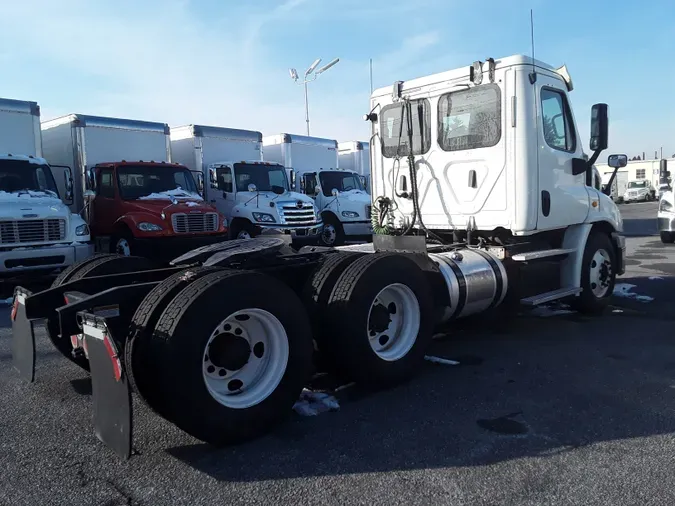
(89, 194)
(252, 188)
(317, 190)
(599, 127)
(68, 177)
(92, 179)
(617, 161)
(200, 181)
(334, 192)
(291, 177)
(213, 178)
(363, 180)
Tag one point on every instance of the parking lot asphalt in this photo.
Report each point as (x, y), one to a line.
(545, 408)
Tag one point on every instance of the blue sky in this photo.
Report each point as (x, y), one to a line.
(225, 63)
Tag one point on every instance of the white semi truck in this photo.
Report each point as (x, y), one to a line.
(37, 230)
(484, 198)
(255, 196)
(355, 156)
(339, 194)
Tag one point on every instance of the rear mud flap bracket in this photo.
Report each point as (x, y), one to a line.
(111, 394)
(23, 338)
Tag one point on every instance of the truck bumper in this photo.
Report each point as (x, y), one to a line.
(666, 222)
(620, 247)
(43, 258)
(172, 247)
(360, 228)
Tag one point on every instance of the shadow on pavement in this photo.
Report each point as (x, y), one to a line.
(640, 227)
(542, 387)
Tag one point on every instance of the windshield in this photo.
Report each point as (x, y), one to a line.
(136, 181)
(17, 176)
(342, 181)
(264, 177)
(637, 184)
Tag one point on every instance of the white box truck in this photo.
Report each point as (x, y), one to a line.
(339, 194)
(37, 230)
(355, 156)
(138, 202)
(255, 196)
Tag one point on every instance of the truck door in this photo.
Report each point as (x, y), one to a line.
(308, 185)
(223, 195)
(104, 204)
(563, 197)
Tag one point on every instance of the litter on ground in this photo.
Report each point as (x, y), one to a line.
(624, 290)
(314, 403)
(439, 360)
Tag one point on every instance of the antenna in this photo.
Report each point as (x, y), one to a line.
(533, 75)
(371, 76)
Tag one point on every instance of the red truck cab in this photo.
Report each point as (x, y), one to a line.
(150, 209)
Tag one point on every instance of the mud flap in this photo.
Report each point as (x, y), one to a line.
(23, 338)
(111, 394)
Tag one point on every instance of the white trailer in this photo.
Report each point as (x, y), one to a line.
(80, 141)
(37, 231)
(355, 156)
(485, 198)
(339, 193)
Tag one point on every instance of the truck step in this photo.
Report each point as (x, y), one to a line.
(540, 254)
(543, 298)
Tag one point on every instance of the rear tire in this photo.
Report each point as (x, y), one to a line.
(598, 275)
(182, 346)
(667, 237)
(140, 365)
(97, 265)
(380, 320)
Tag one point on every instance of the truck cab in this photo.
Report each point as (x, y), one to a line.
(342, 201)
(149, 209)
(639, 190)
(255, 197)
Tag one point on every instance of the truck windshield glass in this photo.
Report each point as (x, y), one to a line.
(637, 184)
(470, 119)
(136, 181)
(342, 181)
(394, 129)
(262, 176)
(19, 176)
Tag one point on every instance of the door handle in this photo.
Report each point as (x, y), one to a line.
(473, 181)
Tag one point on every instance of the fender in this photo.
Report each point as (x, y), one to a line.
(326, 212)
(576, 237)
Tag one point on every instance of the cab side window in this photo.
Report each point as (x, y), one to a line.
(106, 186)
(309, 184)
(557, 121)
(224, 179)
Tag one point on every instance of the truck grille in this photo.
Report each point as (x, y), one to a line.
(291, 214)
(184, 223)
(28, 231)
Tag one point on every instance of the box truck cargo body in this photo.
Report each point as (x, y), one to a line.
(81, 141)
(20, 127)
(355, 156)
(197, 146)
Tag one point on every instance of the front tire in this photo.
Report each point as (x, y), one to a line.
(667, 237)
(123, 244)
(333, 233)
(243, 230)
(233, 352)
(598, 275)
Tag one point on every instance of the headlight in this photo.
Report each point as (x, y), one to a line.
(148, 227)
(350, 214)
(665, 206)
(263, 217)
(82, 230)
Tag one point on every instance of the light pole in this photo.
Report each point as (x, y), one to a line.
(305, 81)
